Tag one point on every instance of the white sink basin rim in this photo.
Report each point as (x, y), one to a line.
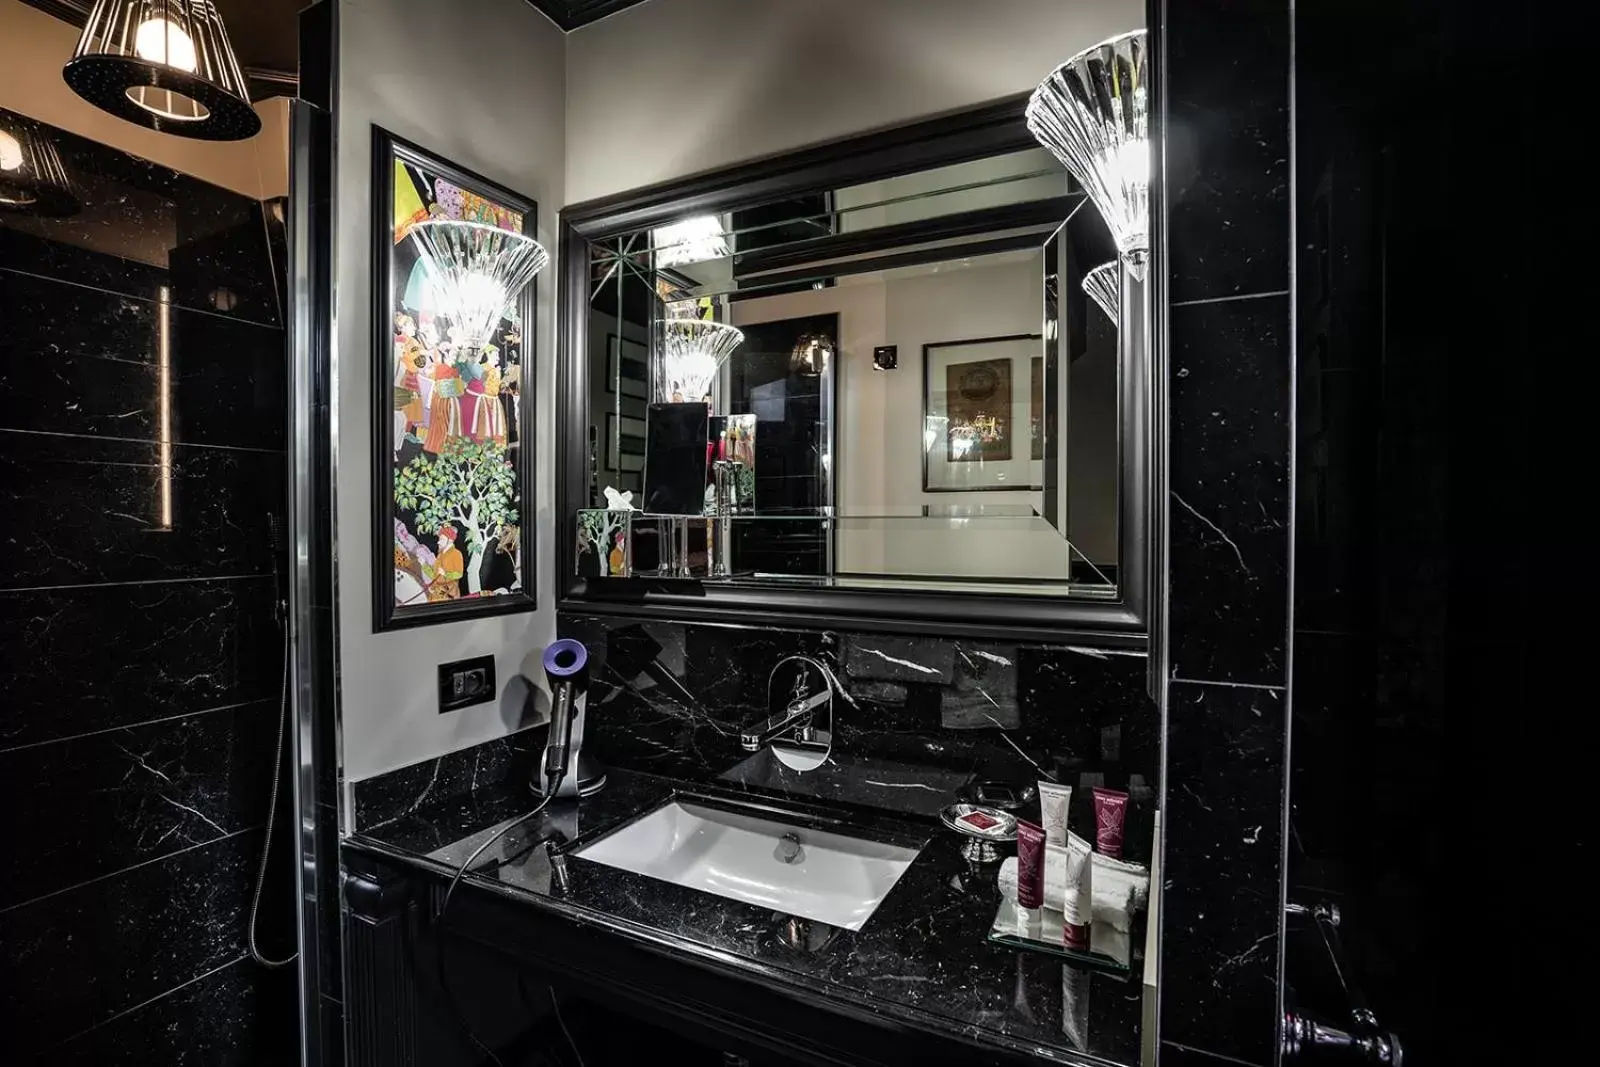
(815, 874)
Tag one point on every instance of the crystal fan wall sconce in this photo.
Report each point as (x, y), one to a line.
(166, 65)
(475, 271)
(1092, 114)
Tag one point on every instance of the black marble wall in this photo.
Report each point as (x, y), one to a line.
(1388, 556)
(142, 426)
(1225, 67)
(920, 718)
(919, 715)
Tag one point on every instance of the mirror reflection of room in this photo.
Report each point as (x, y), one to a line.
(912, 381)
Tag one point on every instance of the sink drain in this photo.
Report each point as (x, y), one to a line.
(789, 849)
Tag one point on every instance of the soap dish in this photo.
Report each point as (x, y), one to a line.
(985, 830)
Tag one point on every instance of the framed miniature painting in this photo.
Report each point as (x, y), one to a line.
(453, 266)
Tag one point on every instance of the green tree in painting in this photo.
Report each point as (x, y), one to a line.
(471, 485)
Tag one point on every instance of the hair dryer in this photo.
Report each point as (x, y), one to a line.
(565, 771)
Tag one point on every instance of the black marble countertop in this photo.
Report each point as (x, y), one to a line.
(922, 958)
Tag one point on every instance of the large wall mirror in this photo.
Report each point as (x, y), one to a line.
(882, 380)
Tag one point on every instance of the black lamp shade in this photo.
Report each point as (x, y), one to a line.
(33, 179)
(164, 64)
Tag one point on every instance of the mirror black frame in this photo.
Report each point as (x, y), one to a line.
(958, 137)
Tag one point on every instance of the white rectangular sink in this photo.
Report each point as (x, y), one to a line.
(830, 877)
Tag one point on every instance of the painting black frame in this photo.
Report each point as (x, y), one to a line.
(386, 147)
(975, 133)
(926, 381)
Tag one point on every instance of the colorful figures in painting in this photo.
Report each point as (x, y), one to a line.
(442, 391)
(456, 486)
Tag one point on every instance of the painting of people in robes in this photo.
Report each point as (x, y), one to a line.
(454, 406)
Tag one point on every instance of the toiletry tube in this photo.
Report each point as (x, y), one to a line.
(1054, 801)
(1055, 874)
(1078, 903)
(1030, 865)
(1030, 873)
(1110, 812)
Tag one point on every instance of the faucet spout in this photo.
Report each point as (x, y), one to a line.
(795, 718)
(800, 732)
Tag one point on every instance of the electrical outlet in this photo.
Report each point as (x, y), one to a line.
(466, 682)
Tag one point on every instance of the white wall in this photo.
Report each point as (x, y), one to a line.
(921, 195)
(674, 87)
(484, 88)
(879, 459)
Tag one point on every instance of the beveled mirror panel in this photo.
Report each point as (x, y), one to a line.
(906, 394)
(903, 376)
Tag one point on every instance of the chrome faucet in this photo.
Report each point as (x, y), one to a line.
(805, 721)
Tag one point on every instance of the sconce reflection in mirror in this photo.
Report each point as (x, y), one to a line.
(33, 180)
(694, 240)
(812, 354)
(693, 351)
(679, 434)
(1091, 113)
(166, 65)
(1101, 285)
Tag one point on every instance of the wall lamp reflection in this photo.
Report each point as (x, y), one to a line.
(693, 350)
(1102, 287)
(33, 180)
(692, 240)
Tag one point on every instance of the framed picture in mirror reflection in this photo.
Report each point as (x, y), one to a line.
(981, 415)
(627, 367)
(625, 441)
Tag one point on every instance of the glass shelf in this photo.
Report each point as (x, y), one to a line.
(914, 546)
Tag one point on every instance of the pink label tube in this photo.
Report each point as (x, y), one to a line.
(1030, 865)
(1110, 812)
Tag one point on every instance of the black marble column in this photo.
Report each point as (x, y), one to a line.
(142, 421)
(1225, 112)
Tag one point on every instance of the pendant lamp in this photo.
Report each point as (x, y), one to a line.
(164, 64)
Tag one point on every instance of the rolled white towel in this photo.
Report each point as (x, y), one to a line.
(1119, 889)
(1113, 872)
